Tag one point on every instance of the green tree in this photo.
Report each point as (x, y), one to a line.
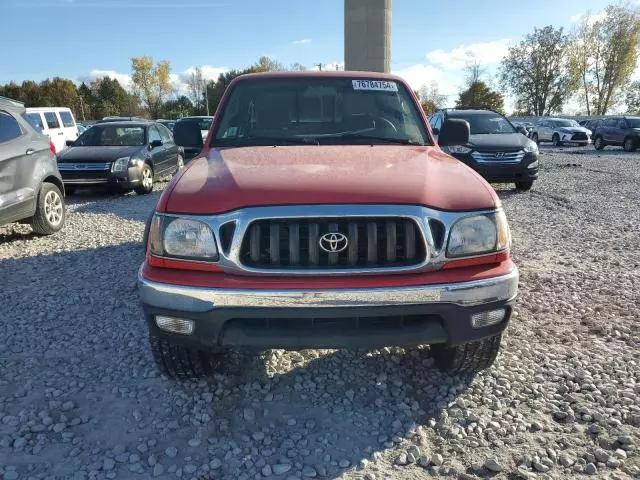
(479, 95)
(430, 98)
(633, 98)
(536, 71)
(604, 56)
(266, 64)
(180, 107)
(152, 83)
(12, 90)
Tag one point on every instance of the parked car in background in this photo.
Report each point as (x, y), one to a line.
(356, 231)
(621, 131)
(561, 131)
(167, 123)
(57, 123)
(496, 150)
(124, 155)
(204, 122)
(81, 128)
(590, 125)
(527, 126)
(31, 189)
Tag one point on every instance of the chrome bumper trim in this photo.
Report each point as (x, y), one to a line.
(198, 300)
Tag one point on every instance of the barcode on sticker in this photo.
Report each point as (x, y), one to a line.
(380, 85)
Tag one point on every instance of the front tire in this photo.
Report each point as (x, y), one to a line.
(598, 143)
(50, 210)
(524, 186)
(629, 145)
(146, 186)
(468, 358)
(180, 362)
(556, 140)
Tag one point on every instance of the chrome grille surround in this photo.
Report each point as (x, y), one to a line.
(230, 261)
(84, 167)
(498, 158)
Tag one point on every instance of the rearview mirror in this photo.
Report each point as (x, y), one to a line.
(188, 135)
(155, 143)
(70, 143)
(454, 132)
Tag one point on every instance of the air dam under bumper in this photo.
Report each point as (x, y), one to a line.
(332, 318)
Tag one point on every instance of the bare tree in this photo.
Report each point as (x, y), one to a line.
(195, 84)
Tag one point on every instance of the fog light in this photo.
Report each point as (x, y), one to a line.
(485, 319)
(175, 325)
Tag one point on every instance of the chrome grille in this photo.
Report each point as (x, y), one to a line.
(83, 167)
(295, 243)
(498, 157)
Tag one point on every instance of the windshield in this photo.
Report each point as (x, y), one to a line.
(204, 123)
(485, 123)
(565, 123)
(328, 111)
(634, 122)
(111, 136)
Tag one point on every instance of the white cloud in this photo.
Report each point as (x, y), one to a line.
(303, 41)
(485, 53)
(420, 74)
(590, 17)
(123, 78)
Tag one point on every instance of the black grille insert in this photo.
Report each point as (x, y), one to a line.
(579, 136)
(294, 243)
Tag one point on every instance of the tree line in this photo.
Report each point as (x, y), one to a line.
(152, 94)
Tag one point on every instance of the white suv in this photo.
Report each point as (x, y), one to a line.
(55, 122)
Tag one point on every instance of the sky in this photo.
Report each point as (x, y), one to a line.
(431, 40)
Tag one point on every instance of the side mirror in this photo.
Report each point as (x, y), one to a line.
(155, 143)
(435, 131)
(522, 130)
(188, 135)
(454, 132)
(70, 143)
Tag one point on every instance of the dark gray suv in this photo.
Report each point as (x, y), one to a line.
(31, 189)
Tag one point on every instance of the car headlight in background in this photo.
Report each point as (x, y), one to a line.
(478, 235)
(533, 164)
(121, 164)
(182, 238)
(531, 147)
(456, 149)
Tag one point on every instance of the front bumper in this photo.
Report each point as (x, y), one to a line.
(503, 172)
(87, 178)
(330, 318)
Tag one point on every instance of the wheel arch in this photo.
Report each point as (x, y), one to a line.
(55, 180)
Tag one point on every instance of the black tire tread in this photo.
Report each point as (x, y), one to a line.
(524, 186)
(39, 223)
(468, 358)
(180, 362)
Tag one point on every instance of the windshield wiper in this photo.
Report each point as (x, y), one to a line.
(293, 141)
(401, 141)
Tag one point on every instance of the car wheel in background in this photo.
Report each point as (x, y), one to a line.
(629, 145)
(146, 185)
(598, 143)
(524, 186)
(180, 362)
(50, 213)
(468, 358)
(535, 138)
(556, 140)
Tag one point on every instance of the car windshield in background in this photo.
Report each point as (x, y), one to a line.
(634, 122)
(111, 136)
(485, 123)
(327, 111)
(565, 123)
(204, 123)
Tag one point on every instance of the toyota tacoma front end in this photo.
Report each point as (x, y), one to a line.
(321, 214)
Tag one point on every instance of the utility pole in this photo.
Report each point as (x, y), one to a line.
(82, 108)
(206, 96)
(367, 35)
(319, 65)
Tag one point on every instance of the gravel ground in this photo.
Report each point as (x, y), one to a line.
(80, 397)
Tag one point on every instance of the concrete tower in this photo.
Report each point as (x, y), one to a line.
(367, 35)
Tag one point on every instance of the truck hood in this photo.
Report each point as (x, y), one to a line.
(232, 178)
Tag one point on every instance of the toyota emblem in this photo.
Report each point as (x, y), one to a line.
(333, 242)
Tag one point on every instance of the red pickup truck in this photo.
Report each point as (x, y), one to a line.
(320, 213)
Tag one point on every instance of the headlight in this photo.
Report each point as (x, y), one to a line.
(121, 164)
(533, 164)
(531, 147)
(182, 238)
(456, 149)
(479, 234)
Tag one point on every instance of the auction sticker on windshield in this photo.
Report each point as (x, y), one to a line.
(379, 85)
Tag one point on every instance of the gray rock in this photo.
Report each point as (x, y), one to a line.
(601, 455)
(266, 470)
(492, 464)
(540, 467)
(215, 464)
(108, 464)
(171, 452)
(281, 468)
(437, 460)
(565, 460)
(309, 471)
(344, 463)
(401, 459)
(158, 470)
(591, 469)
(525, 474)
